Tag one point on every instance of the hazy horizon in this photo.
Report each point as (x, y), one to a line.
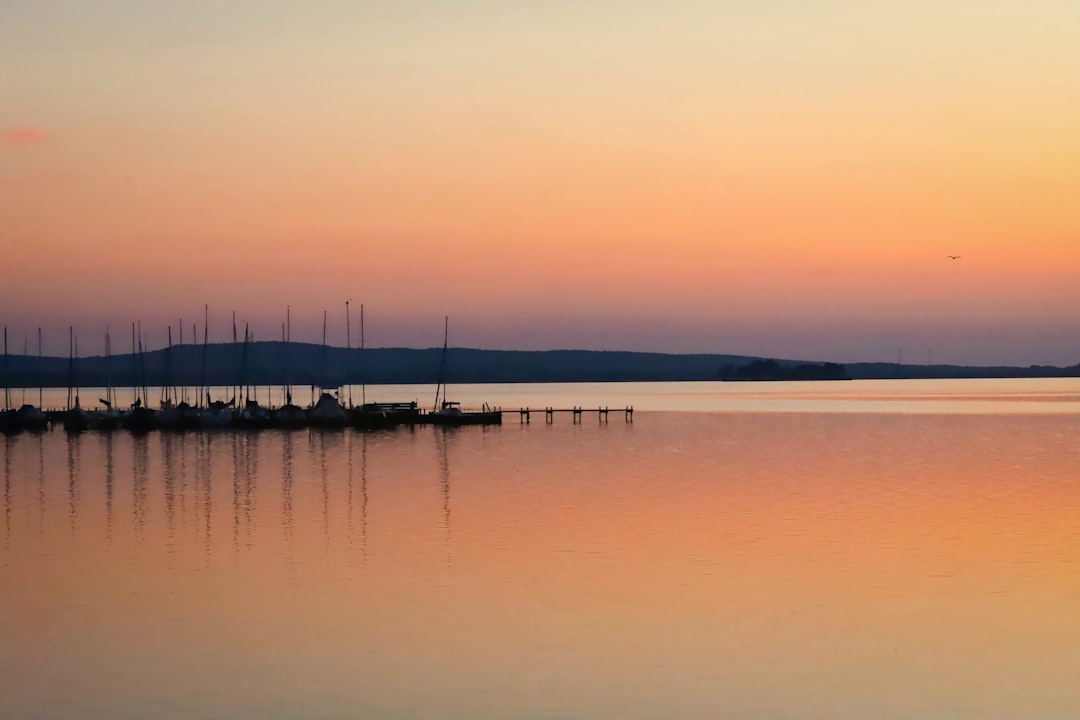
(427, 334)
(769, 179)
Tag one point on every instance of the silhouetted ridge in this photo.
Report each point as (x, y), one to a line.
(274, 363)
(759, 370)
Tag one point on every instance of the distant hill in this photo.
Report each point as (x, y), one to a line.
(885, 371)
(275, 363)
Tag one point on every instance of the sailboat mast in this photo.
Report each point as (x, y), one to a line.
(288, 355)
(205, 341)
(348, 351)
(71, 361)
(247, 376)
(236, 388)
(7, 388)
(243, 368)
(40, 391)
(363, 370)
(73, 377)
(108, 369)
(322, 357)
(180, 363)
(167, 391)
(142, 367)
(134, 368)
(442, 363)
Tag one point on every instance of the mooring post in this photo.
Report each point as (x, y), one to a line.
(549, 415)
(577, 414)
(629, 413)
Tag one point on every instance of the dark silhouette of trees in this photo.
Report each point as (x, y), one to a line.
(763, 370)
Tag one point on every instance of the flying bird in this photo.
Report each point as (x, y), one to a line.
(953, 257)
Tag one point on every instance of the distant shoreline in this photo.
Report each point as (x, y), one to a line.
(300, 364)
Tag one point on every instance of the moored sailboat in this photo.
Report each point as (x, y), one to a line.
(75, 419)
(139, 418)
(252, 415)
(173, 413)
(450, 413)
(289, 416)
(31, 419)
(327, 412)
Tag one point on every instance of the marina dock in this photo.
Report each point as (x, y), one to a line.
(577, 413)
(371, 416)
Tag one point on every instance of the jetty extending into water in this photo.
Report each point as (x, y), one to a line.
(577, 413)
(183, 366)
(326, 414)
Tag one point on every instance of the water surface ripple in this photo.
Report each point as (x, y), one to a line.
(765, 564)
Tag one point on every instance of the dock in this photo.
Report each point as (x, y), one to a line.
(372, 416)
(577, 413)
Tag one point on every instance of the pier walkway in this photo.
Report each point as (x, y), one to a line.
(372, 416)
(577, 413)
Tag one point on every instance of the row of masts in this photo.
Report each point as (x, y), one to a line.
(241, 410)
(26, 353)
(171, 394)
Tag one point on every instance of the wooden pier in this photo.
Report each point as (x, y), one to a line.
(577, 413)
(371, 416)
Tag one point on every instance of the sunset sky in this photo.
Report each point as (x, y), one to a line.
(778, 178)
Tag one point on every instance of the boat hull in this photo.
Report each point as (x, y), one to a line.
(466, 418)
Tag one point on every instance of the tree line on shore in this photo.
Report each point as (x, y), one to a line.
(277, 363)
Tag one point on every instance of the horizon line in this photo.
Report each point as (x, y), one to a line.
(549, 350)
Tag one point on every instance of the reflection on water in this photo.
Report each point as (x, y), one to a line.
(286, 489)
(442, 437)
(8, 443)
(107, 439)
(686, 565)
(73, 486)
(140, 475)
(363, 498)
(986, 395)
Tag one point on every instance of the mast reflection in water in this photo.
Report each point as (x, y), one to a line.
(692, 565)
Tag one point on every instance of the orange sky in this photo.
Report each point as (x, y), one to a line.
(725, 177)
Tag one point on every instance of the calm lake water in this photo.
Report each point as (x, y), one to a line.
(851, 550)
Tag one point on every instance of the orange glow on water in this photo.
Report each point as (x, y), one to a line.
(686, 563)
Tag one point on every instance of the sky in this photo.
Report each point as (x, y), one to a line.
(773, 178)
